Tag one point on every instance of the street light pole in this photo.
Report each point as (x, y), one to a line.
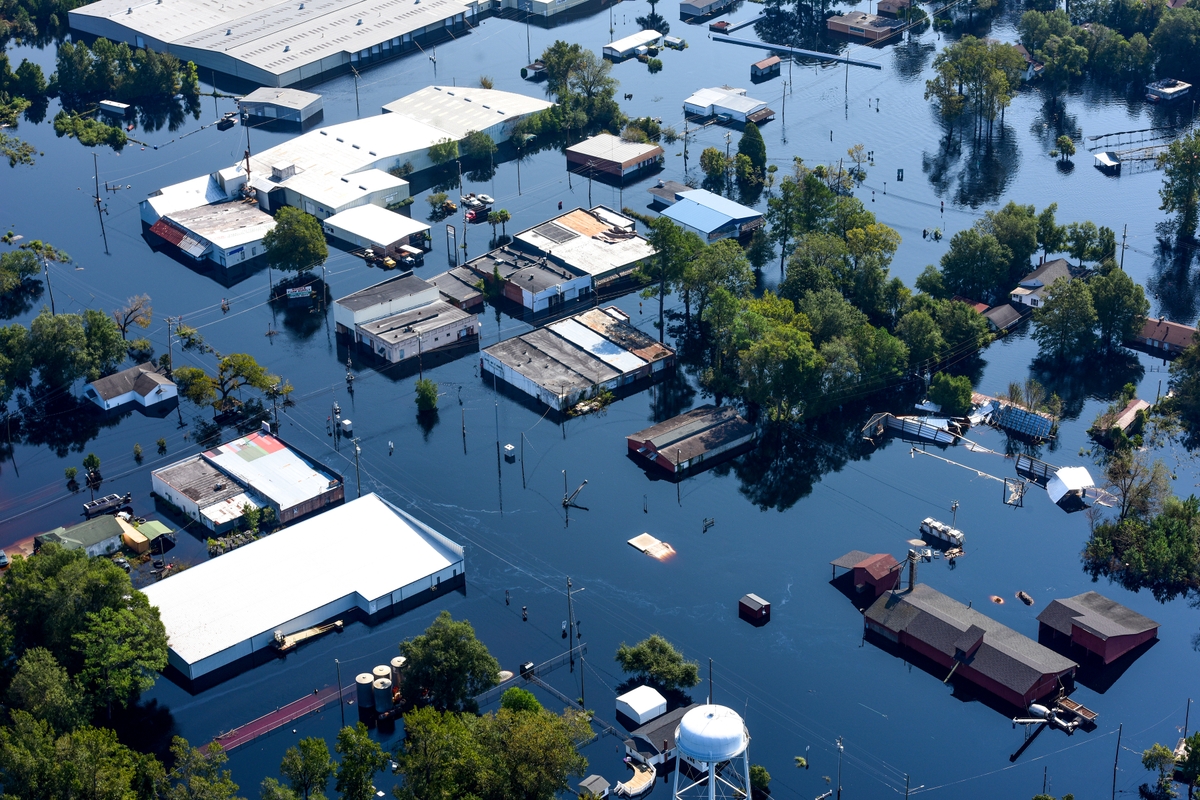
(338, 664)
(839, 785)
(357, 477)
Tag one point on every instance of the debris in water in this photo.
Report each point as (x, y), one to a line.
(997, 600)
(1025, 598)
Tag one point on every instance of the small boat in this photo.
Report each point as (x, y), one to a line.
(640, 783)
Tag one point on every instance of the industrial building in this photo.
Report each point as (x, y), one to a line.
(693, 440)
(385, 232)
(871, 27)
(541, 8)
(978, 649)
(284, 105)
(226, 233)
(530, 280)
(277, 42)
(598, 242)
(712, 217)
(260, 470)
(605, 154)
(366, 557)
(1100, 626)
(631, 44)
(458, 288)
(727, 104)
(565, 362)
(691, 9)
(401, 318)
(143, 384)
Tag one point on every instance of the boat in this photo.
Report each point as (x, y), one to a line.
(641, 781)
(1167, 90)
(285, 642)
(103, 505)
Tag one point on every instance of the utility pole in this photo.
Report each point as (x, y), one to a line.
(357, 108)
(99, 210)
(1116, 756)
(49, 288)
(357, 478)
(839, 785)
(1124, 233)
(710, 688)
(340, 701)
(582, 696)
(570, 625)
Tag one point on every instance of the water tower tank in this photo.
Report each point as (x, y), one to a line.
(383, 694)
(712, 734)
(397, 665)
(365, 698)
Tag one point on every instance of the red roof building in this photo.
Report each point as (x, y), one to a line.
(1097, 624)
(1163, 336)
(880, 572)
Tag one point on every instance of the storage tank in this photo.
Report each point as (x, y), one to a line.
(382, 671)
(366, 700)
(397, 665)
(383, 694)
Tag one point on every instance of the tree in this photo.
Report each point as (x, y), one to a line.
(199, 775)
(781, 370)
(560, 59)
(16, 361)
(655, 659)
(27, 758)
(442, 152)
(296, 243)
(136, 311)
(93, 764)
(1180, 191)
(271, 789)
(1066, 321)
(427, 395)
(503, 217)
(1189, 766)
(723, 264)
(715, 165)
(1065, 146)
(952, 393)
(478, 146)
(16, 267)
(234, 371)
(1083, 239)
(447, 666)
(43, 687)
(440, 757)
(1160, 758)
(923, 336)
(361, 758)
(1174, 42)
(1121, 307)
(1015, 228)
(532, 753)
(307, 767)
(754, 148)
(105, 346)
(760, 779)
(1141, 486)
(121, 649)
(518, 700)
(674, 248)
(1050, 235)
(975, 266)
(58, 348)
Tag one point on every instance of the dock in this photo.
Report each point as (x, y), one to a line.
(261, 726)
(289, 641)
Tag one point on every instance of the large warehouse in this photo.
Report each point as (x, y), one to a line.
(277, 42)
(364, 558)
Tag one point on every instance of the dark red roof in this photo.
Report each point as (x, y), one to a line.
(980, 307)
(167, 231)
(877, 566)
(1164, 330)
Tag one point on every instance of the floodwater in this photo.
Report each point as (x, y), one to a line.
(781, 513)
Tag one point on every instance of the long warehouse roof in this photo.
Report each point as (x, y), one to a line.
(366, 547)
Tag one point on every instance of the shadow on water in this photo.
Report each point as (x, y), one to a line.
(307, 313)
(21, 300)
(1101, 377)
(60, 421)
(911, 57)
(973, 172)
(1173, 284)
(146, 727)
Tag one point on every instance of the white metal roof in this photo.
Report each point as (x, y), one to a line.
(231, 508)
(586, 253)
(719, 98)
(376, 225)
(613, 148)
(366, 547)
(284, 98)
(1068, 479)
(587, 339)
(459, 110)
(633, 41)
(272, 468)
(225, 225)
(182, 196)
(277, 36)
(643, 700)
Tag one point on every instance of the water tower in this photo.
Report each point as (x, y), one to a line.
(714, 743)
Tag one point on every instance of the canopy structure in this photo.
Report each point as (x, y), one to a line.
(642, 704)
(1069, 484)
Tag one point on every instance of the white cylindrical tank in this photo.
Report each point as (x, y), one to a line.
(383, 694)
(365, 698)
(712, 734)
(397, 665)
(382, 671)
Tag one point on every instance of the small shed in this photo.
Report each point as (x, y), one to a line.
(594, 786)
(1068, 488)
(766, 69)
(754, 608)
(288, 105)
(114, 108)
(642, 704)
(1002, 317)
(627, 46)
(141, 539)
(701, 8)
(880, 572)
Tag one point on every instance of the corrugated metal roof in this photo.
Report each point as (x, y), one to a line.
(458, 110)
(270, 467)
(283, 98)
(587, 339)
(225, 225)
(375, 224)
(613, 148)
(633, 41)
(722, 204)
(692, 214)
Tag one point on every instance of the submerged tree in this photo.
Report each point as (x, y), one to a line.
(1180, 191)
(655, 659)
(296, 243)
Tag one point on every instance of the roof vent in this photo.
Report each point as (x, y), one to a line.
(228, 31)
(287, 47)
(129, 10)
(359, 22)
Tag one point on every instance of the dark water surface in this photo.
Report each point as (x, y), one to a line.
(782, 513)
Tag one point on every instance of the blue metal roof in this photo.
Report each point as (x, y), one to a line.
(733, 210)
(702, 218)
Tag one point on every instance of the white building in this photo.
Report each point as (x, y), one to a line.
(204, 493)
(729, 102)
(395, 295)
(1031, 291)
(227, 234)
(531, 280)
(288, 105)
(142, 384)
(421, 330)
(382, 230)
(598, 242)
(276, 42)
(455, 111)
(365, 558)
(642, 704)
(541, 8)
(628, 45)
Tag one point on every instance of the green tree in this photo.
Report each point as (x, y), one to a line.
(1175, 41)
(760, 779)
(271, 789)
(477, 146)
(1065, 146)
(1015, 228)
(441, 757)
(1180, 191)
(1189, 766)
(674, 248)
(136, 311)
(1121, 307)
(532, 754)
(16, 361)
(518, 699)
(976, 266)
(58, 347)
(1083, 239)
(1160, 759)
(234, 372)
(781, 370)
(754, 148)
(122, 649)
(1066, 320)
(443, 151)
(447, 666)
(105, 346)
(43, 687)
(1051, 236)
(656, 660)
(952, 393)
(715, 165)
(923, 336)
(28, 763)
(199, 775)
(91, 763)
(17, 267)
(361, 757)
(723, 264)
(427, 395)
(296, 243)
(307, 767)
(560, 59)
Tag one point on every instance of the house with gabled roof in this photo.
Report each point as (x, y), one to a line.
(1032, 289)
(1099, 625)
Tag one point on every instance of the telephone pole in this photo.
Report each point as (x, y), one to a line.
(357, 478)
(1124, 233)
(99, 209)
